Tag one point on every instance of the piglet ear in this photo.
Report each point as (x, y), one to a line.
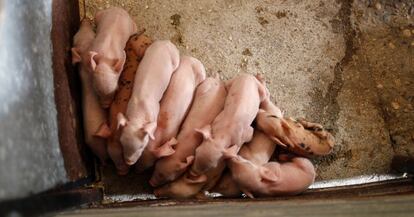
(104, 131)
(197, 179)
(119, 64)
(122, 120)
(267, 175)
(188, 161)
(231, 152)
(286, 127)
(150, 128)
(166, 149)
(76, 58)
(205, 131)
(278, 142)
(93, 59)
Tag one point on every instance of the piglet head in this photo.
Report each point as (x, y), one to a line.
(105, 75)
(250, 177)
(185, 187)
(207, 157)
(134, 138)
(208, 154)
(150, 155)
(166, 171)
(299, 136)
(307, 139)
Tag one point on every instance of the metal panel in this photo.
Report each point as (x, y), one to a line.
(30, 158)
(67, 90)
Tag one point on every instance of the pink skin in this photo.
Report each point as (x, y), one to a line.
(273, 178)
(190, 185)
(106, 54)
(258, 151)
(208, 103)
(94, 117)
(173, 109)
(232, 126)
(160, 61)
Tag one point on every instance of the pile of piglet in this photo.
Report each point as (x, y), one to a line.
(145, 106)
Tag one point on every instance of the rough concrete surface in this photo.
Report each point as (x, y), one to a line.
(348, 65)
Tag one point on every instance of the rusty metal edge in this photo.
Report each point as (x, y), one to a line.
(380, 189)
(65, 22)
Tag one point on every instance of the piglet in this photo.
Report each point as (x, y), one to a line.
(135, 50)
(151, 80)
(299, 136)
(106, 54)
(173, 109)
(94, 117)
(208, 103)
(258, 151)
(231, 128)
(188, 185)
(273, 178)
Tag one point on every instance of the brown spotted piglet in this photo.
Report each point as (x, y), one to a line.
(299, 136)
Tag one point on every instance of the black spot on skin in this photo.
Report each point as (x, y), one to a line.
(310, 152)
(302, 145)
(308, 148)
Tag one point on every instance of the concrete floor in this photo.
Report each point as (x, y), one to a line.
(348, 65)
(400, 206)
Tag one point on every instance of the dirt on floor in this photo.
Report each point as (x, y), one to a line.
(348, 65)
